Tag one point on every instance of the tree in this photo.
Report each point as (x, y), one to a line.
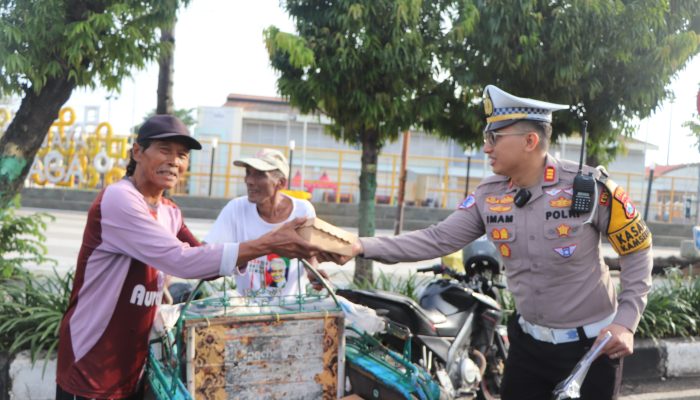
(50, 47)
(615, 57)
(369, 65)
(165, 103)
(694, 125)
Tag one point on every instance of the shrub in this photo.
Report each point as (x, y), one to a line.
(21, 239)
(31, 308)
(673, 308)
(507, 303)
(407, 286)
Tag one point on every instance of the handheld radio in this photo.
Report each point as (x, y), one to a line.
(584, 185)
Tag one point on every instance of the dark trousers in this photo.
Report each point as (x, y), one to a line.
(534, 368)
(63, 395)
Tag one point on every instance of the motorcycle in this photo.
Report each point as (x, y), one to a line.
(455, 330)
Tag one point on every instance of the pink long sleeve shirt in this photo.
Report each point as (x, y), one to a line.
(127, 249)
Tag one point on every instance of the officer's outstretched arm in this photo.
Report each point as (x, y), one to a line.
(629, 236)
(457, 230)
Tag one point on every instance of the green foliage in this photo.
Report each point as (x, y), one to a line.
(21, 239)
(366, 64)
(31, 309)
(88, 42)
(507, 303)
(407, 286)
(617, 57)
(50, 47)
(673, 308)
(694, 126)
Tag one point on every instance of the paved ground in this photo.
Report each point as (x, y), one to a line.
(676, 389)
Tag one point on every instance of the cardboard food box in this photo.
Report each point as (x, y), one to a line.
(328, 237)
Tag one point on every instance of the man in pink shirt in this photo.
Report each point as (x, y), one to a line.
(133, 237)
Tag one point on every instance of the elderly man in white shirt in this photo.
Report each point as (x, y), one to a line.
(264, 208)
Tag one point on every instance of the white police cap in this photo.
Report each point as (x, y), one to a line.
(503, 109)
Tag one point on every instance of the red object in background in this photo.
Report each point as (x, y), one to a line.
(324, 182)
(296, 181)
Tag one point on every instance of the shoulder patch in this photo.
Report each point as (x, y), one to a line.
(468, 202)
(627, 232)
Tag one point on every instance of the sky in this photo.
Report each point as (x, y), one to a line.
(220, 50)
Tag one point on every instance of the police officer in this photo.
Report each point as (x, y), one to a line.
(564, 296)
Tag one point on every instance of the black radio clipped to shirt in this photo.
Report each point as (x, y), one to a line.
(522, 197)
(584, 188)
(584, 185)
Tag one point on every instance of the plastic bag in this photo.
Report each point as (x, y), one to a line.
(362, 318)
(570, 388)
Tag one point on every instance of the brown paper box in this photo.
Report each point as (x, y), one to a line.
(328, 237)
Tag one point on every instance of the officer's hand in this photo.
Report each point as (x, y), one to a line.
(340, 259)
(286, 242)
(621, 343)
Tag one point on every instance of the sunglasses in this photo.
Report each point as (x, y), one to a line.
(490, 137)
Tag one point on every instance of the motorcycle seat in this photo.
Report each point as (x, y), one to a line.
(433, 316)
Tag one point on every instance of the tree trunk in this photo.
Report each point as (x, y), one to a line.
(398, 226)
(165, 104)
(26, 133)
(368, 188)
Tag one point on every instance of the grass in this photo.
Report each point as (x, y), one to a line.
(405, 285)
(31, 309)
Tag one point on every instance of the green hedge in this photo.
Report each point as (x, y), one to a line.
(673, 308)
(21, 239)
(31, 309)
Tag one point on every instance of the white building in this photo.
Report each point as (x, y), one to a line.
(437, 167)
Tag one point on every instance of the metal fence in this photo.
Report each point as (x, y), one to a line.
(332, 175)
(79, 155)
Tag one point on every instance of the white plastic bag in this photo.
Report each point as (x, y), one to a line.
(361, 317)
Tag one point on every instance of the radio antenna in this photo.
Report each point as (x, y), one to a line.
(580, 112)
